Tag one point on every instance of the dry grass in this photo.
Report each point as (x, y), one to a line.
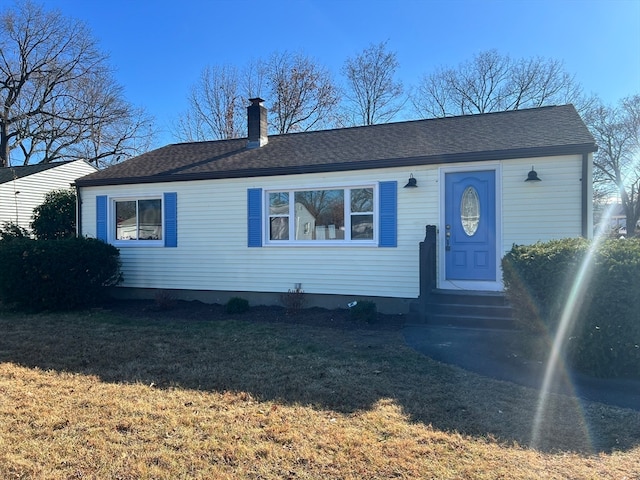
(98, 395)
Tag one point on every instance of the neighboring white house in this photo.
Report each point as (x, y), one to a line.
(612, 220)
(23, 188)
(328, 209)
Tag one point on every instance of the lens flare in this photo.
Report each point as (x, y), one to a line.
(555, 366)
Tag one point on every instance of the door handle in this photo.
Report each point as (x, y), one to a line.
(447, 238)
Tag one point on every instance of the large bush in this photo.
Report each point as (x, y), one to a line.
(57, 274)
(535, 275)
(55, 218)
(605, 335)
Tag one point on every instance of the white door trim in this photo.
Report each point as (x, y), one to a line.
(443, 283)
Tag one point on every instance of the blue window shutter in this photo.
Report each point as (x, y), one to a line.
(170, 219)
(388, 211)
(254, 215)
(101, 217)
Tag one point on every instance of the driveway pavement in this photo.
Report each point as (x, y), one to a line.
(485, 351)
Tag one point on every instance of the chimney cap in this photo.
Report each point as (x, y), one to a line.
(256, 100)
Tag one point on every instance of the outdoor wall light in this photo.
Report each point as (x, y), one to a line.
(532, 176)
(412, 183)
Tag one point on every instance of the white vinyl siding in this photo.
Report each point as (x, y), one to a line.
(545, 210)
(212, 252)
(18, 207)
(213, 255)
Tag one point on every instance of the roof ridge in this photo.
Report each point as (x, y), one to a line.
(42, 165)
(431, 119)
(198, 142)
(377, 125)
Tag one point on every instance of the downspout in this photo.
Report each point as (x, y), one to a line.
(587, 201)
(78, 213)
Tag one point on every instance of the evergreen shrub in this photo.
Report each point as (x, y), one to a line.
(55, 218)
(61, 274)
(535, 277)
(604, 338)
(237, 305)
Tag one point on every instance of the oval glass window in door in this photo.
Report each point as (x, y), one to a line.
(470, 211)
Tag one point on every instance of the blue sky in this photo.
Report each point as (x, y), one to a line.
(159, 47)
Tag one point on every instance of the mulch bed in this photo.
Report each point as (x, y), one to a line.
(198, 311)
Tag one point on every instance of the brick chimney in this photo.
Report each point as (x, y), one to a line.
(257, 123)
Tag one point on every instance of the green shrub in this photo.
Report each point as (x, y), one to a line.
(605, 336)
(537, 278)
(55, 218)
(606, 341)
(57, 274)
(364, 311)
(12, 231)
(237, 305)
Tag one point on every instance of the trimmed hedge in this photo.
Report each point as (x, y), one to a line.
(535, 275)
(57, 274)
(605, 335)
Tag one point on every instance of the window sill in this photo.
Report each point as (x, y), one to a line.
(320, 243)
(137, 243)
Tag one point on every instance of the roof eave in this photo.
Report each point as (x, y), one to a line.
(346, 166)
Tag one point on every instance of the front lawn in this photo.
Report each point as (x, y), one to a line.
(106, 394)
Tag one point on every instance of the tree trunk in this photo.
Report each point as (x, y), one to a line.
(4, 146)
(632, 214)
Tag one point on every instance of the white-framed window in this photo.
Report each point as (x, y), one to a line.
(137, 220)
(330, 215)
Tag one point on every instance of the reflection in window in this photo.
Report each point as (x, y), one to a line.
(470, 211)
(139, 219)
(321, 215)
(279, 216)
(362, 214)
(279, 228)
(323, 210)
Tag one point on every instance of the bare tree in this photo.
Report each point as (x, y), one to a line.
(617, 161)
(216, 107)
(372, 94)
(253, 82)
(301, 94)
(493, 82)
(58, 95)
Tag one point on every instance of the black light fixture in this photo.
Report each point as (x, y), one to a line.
(412, 183)
(532, 176)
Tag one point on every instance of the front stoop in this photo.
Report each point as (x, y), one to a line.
(458, 308)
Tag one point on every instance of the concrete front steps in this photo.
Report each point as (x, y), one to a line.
(458, 308)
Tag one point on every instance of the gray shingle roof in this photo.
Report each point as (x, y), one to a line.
(9, 173)
(513, 134)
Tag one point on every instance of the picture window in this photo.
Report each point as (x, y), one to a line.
(335, 215)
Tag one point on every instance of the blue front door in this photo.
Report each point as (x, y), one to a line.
(470, 226)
